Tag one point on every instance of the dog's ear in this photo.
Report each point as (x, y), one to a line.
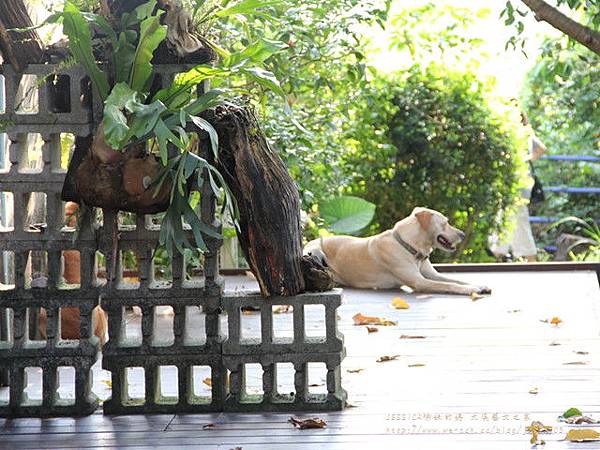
(424, 218)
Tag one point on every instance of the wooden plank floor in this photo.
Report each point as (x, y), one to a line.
(470, 388)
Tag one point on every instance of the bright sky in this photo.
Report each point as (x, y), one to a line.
(507, 66)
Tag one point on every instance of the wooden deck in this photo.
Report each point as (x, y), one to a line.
(465, 385)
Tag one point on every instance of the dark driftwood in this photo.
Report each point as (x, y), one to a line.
(268, 201)
(316, 277)
(19, 49)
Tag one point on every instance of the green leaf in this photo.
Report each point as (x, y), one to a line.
(347, 214)
(195, 223)
(192, 162)
(163, 136)
(246, 7)
(572, 412)
(264, 78)
(145, 118)
(126, 116)
(103, 24)
(179, 93)
(80, 44)
(53, 18)
(212, 133)
(124, 55)
(257, 52)
(152, 33)
(205, 101)
(144, 10)
(115, 127)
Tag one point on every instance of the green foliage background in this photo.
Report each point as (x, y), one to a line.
(429, 137)
(348, 110)
(562, 97)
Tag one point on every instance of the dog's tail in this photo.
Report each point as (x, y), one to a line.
(315, 248)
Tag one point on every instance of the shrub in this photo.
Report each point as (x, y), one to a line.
(430, 138)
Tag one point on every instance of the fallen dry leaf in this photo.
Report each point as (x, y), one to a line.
(578, 420)
(359, 319)
(107, 383)
(208, 426)
(208, 382)
(305, 424)
(581, 353)
(475, 296)
(283, 309)
(316, 385)
(372, 329)
(354, 370)
(535, 428)
(539, 427)
(416, 365)
(576, 363)
(554, 344)
(512, 311)
(555, 321)
(407, 336)
(387, 358)
(400, 303)
(534, 391)
(582, 435)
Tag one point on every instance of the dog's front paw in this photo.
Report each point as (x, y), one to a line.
(483, 290)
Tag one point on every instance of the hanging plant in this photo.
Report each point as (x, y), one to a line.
(143, 158)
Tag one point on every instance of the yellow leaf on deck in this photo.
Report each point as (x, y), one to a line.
(400, 303)
(359, 319)
(208, 382)
(555, 320)
(417, 365)
(475, 296)
(107, 383)
(387, 358)
(582, 435)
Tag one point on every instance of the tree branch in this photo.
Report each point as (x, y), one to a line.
(19, 49)
(582, 34)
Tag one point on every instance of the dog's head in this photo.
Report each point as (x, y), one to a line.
(443, 235)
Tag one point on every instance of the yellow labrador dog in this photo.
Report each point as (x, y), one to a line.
(396, 257)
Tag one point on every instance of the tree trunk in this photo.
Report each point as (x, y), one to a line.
(19, 49)
(268, 201)
(580, 33)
